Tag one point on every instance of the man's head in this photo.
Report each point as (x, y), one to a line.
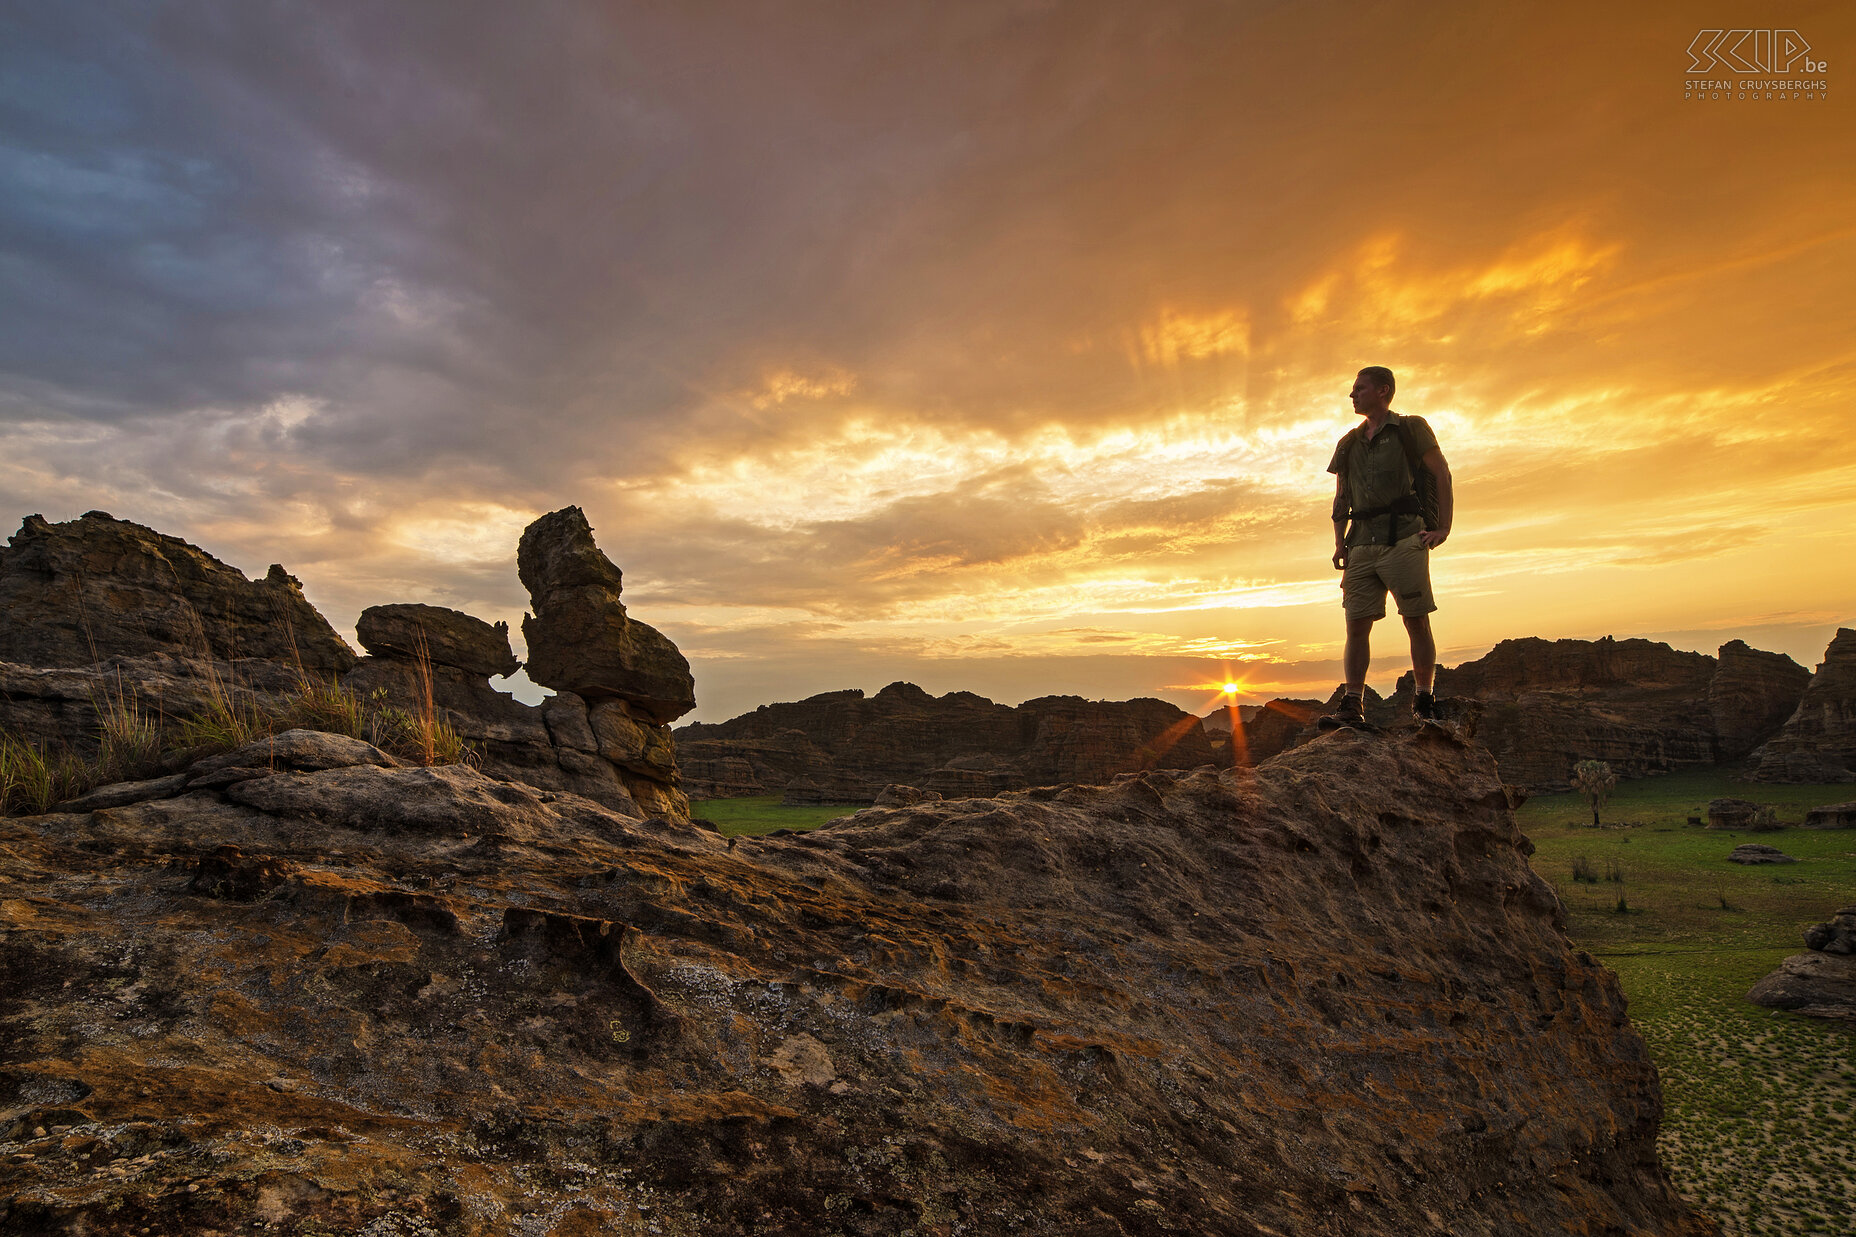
(1372, 390)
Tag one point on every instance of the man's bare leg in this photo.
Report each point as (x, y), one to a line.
(1423, 651)
(1358, 655)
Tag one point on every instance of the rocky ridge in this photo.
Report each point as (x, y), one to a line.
(1639, 705)
(73, 594)
(841, 747)
(318, 991)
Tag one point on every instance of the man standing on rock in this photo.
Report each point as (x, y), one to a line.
(1392, 506)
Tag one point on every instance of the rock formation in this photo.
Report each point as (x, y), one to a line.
(1638, 705)
(1325, 997)
(841, 747)
(580, 639)
(444, 637)
(1831, 816)
(1818, 741)
(1262, 730)
(76, 593)
(1728, 813)
(1820, 982)
(1752, 853)
(177, 612)
(1750, 696)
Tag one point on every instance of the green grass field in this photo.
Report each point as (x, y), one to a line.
(1758, 1130)
(763, 814)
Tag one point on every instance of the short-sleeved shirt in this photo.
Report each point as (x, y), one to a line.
(1378, 475)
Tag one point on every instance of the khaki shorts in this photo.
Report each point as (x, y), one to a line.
(1404, 568)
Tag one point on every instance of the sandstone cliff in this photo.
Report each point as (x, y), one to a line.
(336, 995)
(841, 747)
(1818, 741)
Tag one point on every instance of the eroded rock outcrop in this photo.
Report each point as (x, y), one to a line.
(1326, 998)
(1818, 741)
(175, 611)
(1640, 706)
(96, 587)
(445, 637)
(1820, 982)
(841, 747)
(580, 638)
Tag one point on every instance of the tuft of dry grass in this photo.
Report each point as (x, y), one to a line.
(132, 741)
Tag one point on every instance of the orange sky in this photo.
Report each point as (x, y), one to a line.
(997, 347)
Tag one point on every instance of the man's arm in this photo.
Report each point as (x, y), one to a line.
(1340, 520)
(1446, 499)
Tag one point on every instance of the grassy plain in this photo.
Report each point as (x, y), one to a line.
(764, 814)
(1759, 1130)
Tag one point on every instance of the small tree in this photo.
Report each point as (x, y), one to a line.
(1594, 779)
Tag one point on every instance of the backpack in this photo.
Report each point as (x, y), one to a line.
(1420, 500)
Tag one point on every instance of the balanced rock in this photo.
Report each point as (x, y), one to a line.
(1818, 741)
(579, 637)
(396, 1000)
(1820, 982)
(75, 593)
(446, 637)
(1755, 853)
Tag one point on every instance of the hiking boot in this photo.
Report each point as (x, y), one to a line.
(1352, 712)
(1424, 707)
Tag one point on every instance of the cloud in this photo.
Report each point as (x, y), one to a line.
(941, 331)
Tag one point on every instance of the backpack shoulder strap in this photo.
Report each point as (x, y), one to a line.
(1408, 440)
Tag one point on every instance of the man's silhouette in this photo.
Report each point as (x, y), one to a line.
(1381, 538)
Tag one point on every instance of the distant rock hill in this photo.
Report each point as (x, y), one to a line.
(1641, 706)
(842, 747)
(97, 609)
(1818, 741)
(304, 988)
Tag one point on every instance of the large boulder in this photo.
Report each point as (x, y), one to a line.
(75, 593)
(367, 999)
(1818, 741)
(580, 639)
(446, 637)
(1820, 982)
(1831, 816)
